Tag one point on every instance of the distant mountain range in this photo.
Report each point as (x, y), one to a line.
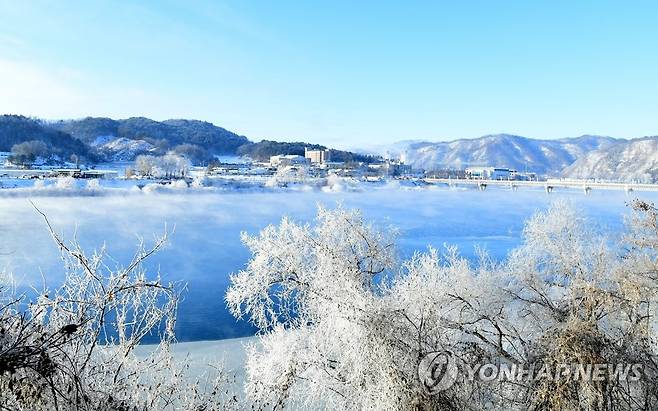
(581, 157)
(499, 150)
(94, 139)
(626, 160)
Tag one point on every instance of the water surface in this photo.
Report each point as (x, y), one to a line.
(205, 246)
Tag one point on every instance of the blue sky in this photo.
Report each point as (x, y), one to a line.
(343, 73)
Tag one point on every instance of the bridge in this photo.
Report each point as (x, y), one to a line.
(548, 185)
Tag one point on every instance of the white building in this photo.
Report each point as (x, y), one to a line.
(286, 160)
(317, 156)
(478, 173)
(503, 174)
(490, 173)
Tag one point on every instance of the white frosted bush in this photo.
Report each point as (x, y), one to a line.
(93, 184)
(345, 324)
(178, 184)
(200, 181)
(65, 183)
(72, 348)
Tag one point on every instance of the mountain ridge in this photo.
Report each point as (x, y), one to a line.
(502, 150)
(94, 139)
(626, 160)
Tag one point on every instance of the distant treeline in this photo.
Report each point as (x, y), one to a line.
(198, 141)
(29, 137)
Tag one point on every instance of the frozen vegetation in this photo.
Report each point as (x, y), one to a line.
(338, 297)
(72, 347)
(347, 323)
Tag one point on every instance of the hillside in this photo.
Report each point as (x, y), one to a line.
(502, 150)
(164, 135)
(632, 160)
(106, 139)
(15, 130)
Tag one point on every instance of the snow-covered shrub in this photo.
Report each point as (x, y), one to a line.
(334, 184)
(65, 183)
(93, 184)
(337, 184)
(178, 184)
(345, 325)
(200, 181)
(170, 165)
(288, 175)
(72, 348)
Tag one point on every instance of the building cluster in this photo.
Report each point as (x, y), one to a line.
(311, 158)
(39, 173)
(316, 163)
(497, 173)
(11, 170)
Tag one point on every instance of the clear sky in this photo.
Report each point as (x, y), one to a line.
(343, 73)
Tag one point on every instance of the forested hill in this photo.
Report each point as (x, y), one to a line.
(106, 139)
(15, 130)
(169, 133)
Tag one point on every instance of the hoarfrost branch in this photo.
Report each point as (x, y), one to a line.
(73, 348)
(345, 324)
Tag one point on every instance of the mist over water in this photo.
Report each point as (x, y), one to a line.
(205, 245)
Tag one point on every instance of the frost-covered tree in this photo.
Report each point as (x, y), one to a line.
(333, 335)
(73, 347)
(171, 165)
(288, 175)
(145, 165)
(28, 152)
(345, 324)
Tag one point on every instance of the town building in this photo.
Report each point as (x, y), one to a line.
(317, 156)
(503, 174)
(397, 168)
(286, 160)
(478, 173)
(490, 173)
(388, 168)
(80, 173)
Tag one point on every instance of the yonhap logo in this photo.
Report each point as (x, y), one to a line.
(437, 371)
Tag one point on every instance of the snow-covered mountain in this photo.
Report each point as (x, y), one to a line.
(500, 150)
(627, 160)
(121, 149)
